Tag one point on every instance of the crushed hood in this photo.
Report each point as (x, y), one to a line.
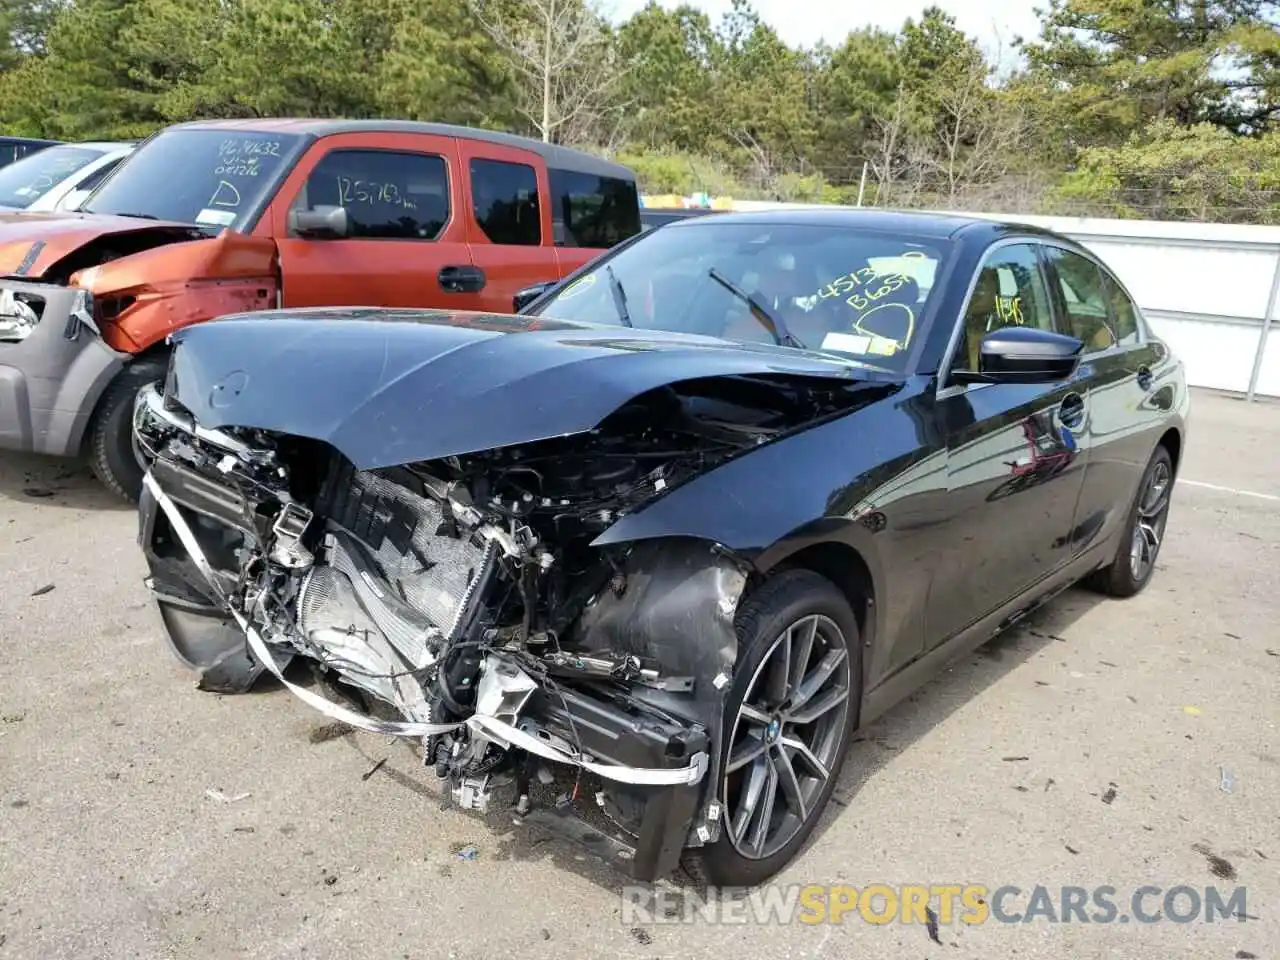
(32, 242)
(388, 387)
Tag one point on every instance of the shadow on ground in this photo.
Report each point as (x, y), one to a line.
(54, 482)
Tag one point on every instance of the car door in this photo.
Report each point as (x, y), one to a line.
(508, 224)
(1015, 464)
(1127, 405)
(402, 197)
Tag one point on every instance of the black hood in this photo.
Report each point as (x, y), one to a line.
(386, 387)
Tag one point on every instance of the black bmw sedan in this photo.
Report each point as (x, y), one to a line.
(682, 526)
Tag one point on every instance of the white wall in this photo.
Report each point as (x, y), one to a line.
(1205, 288)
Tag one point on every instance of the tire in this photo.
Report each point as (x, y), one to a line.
(1144, 530)
(786, 610)
(112, 455)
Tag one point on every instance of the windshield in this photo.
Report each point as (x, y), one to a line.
(217, 178)
(828, 288)
(27, 180)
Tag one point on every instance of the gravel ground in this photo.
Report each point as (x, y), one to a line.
(1086, 748)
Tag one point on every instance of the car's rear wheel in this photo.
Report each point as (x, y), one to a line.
(113, 455)
(1135, 560)
(788, 720)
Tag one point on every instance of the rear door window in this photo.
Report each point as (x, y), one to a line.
(387, 194)
(593, 211)
(1083, 298)
(1124, 316)
(504, 201)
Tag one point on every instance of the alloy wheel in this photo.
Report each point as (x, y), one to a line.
(1148, 526)
(787, 736)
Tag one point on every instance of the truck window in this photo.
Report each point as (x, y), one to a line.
(212, 177)
(388, 195)
(505, 202)
(591, 211)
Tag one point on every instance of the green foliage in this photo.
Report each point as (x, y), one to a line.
(1170, 172)
(1128, 107)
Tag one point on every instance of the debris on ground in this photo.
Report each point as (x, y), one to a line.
(41, 591)
(1071, 850)
(1049, 783)
(468, 852)
(1227, 781)
(221, 797)
(1194, 711)
(1014, 759)
(374, 769)
(1220, 867)
(641, 935)
(329, 731)
(932, 924)
(1110, 795)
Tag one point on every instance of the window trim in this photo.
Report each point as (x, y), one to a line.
(946, 388)
(537, 192)
(448, 193)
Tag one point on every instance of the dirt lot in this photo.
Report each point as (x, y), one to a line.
(999, 772)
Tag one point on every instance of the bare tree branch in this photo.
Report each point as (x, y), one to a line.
(561, 49)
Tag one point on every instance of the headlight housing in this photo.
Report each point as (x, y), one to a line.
(19, 314)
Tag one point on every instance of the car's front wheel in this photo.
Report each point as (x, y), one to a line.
(113, 456)
(1135, 560)
(788, 720)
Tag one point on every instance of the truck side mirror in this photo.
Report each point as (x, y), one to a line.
(320, 223)
(529, 294)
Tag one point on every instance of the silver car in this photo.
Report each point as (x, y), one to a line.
(59, 177)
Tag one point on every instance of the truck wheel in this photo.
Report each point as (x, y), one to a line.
(111, 451)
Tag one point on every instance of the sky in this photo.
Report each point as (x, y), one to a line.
(804, 22)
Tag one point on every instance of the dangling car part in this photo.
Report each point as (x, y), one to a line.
(643, 550)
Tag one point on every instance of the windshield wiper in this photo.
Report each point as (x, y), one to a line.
(769, 320)
(619, 296)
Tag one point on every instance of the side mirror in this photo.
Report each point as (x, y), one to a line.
(529, 294)
(1024, 355)
(320, 223)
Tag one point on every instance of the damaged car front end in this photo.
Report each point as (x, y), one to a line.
(451, 575)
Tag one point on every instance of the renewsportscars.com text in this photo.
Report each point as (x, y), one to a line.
(934, 903)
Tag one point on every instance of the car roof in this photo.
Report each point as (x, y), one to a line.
(106, 146)
(924, 224)
(563, 158)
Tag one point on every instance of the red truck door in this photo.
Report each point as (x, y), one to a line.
(508, 220)
(405, 244)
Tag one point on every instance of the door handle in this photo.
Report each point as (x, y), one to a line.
(1071, 410)
(455, 279)
(1144, 377)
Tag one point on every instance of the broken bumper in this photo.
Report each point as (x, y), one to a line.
(613, 735)
(53, 367)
